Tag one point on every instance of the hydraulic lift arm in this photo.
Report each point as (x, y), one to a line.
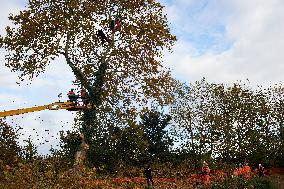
(53, 106)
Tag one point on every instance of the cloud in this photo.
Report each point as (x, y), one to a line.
(43, 127)
(256, 32)
(9, 7)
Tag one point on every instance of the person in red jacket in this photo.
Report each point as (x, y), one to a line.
(84, 97)
(247, 171)
(115, 25)
(72, 96)
(205, 173)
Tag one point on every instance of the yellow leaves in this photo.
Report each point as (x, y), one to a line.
(130, 56)
(49, 174)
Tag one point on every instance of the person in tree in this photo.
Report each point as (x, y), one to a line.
(102, 36)
(84, 97)
(112, 25)
(115, 25)
(148, 175)
(260, 170)
(205, 170)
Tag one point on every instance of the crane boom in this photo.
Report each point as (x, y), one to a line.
(53, 106)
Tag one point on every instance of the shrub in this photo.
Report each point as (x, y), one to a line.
(260, 183)
(240, 183)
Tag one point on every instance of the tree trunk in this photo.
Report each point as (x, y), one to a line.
(95, 93)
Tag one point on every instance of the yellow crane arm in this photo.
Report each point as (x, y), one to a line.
(53, 106)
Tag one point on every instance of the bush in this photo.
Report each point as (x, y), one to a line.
(240, 183)
(232, 183)
(260, 183)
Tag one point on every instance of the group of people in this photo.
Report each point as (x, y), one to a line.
(244, 170)
(115, 25)
(205, 174)
(74, 98)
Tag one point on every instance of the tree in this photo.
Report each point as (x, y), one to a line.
(277, 106)
(154, 124)
(121, 70)
(29, 151)
(230, 123)
(192, 110)
(9, 147)
(130, 144)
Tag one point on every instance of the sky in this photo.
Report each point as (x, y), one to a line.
(225, 41)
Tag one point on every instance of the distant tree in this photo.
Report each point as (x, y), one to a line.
(192, 112)
(154, 125)
(277, 106)
(69, 145)
(29, 151)
(9, 148)
(230, 123)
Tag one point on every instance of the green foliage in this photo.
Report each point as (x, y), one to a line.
(260, 184)
(135, 144)
(9, 147)
(69, 145)
(232, 183)
(29, 151)
(230, 123)
(154, 124)
(240, 183)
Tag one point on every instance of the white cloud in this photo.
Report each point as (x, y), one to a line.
(257, 30)
(9, 7)
(43, 127)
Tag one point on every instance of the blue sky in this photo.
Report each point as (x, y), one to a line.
(222, 40)
(199, 23)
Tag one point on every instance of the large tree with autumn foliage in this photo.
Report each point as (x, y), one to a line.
(120, 68)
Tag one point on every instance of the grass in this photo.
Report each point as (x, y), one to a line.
(278, 181)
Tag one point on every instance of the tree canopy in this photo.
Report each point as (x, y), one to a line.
(230, 123)
(118, 67)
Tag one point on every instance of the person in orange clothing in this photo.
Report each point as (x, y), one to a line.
(236, 172)
(240, 170)
(205, 173)
(247, 171)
